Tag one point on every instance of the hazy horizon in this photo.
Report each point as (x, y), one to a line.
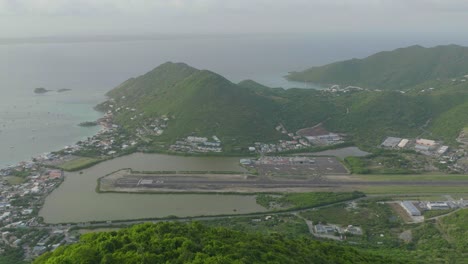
(22, 18)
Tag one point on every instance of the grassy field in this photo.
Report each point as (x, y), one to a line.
(411, 189)
(288, 225)
(305, 200)
(410, 178)
(14, 180)
(434, 213)
(401, 189)
(423, 197)
(79, 163)
(378, 222)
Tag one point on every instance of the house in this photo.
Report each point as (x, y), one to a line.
(196, 139)
(55, 174)
(353, 230)
(38, 250)
(324, 229)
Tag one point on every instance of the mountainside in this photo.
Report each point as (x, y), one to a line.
(399, 69)
(195, 243)
(203, 103)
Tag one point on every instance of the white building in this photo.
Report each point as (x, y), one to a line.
(442, 150)
(403, 143)
(437, 206)
(197, 139)
(410, 208)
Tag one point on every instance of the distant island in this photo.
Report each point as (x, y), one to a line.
(400, 69)
(41, 90)
(63, 90)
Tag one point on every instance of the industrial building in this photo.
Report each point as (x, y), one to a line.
(426, 142)
(437, 206)
(391, 142)
(246, 162)
(442, 150)
(324, 229)
(410, 208)
(403, 143)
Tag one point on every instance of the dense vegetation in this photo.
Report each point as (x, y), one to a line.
(200, 102)
(399, 69)
(374, 219)
(456, 227)
(203, 103)
(387, 162)
(305, 200)
(195, 243)
(12, 256)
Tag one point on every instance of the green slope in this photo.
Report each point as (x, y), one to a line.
(204, 103)
(399, 69)
(449, 124)
(195, 243)
(372, 116)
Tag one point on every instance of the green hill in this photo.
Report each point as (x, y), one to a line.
(203, 103)
(195, 243)
(399, 69)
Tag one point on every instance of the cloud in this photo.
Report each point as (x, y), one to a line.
(129, 7)
(181, 16)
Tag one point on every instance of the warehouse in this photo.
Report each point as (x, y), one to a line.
(438, 206)
(410, 208)
(391, 142)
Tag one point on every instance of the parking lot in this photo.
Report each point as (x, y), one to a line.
(311, 166)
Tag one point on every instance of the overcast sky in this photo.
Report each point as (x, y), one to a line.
(25, 18)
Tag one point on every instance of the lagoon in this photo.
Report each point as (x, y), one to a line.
(76, 199)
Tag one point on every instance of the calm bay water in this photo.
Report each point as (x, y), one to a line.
(77, 201)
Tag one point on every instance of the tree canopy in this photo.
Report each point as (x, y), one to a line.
(196, 243)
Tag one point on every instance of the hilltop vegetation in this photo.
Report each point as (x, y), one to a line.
(399, 69)
(195, 243)
(203, 103)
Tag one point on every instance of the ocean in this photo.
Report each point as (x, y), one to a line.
(32, 124)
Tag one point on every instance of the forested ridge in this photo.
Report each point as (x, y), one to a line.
(204, 103)
(196, 243)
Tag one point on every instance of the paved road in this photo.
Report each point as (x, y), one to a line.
(179, 182)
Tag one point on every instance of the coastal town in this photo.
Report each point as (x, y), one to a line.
(23, 191)
(25, 186)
